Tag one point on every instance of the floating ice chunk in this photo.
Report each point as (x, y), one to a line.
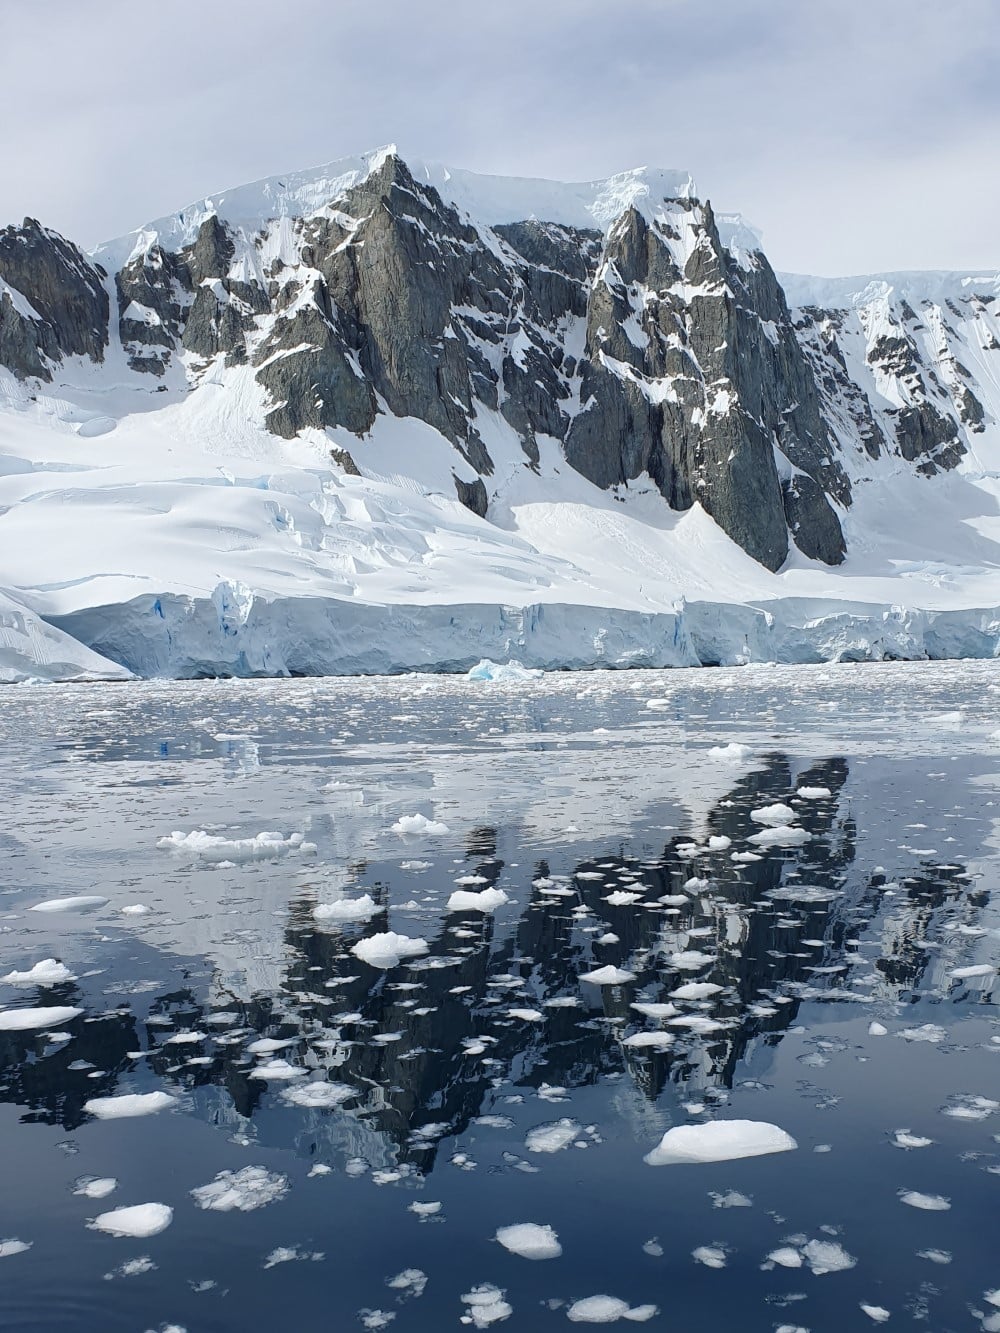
(658, 705)
(877, 1030)
(530, 1240)
(719, 843)
(826, 1256)
(781, 835)
(719, 1141)
(526, 1015)
(931, 1203)
(733, 753)
(904, 1139)
(486, 1306)
(128, 1104)
(931, 1032)
(935, 1256)
(653, 1010)
(412, 825)
(95, 1187)
(31, 1020)
(411, 1280)
(318, 1096)
(967, 973)
(48, 972)
(970, 1107)
(135, 909)
(690, 960)
(730, 1199)
(375, 1319)
(656, 1041)
(503, 673)
(286, 1254)
(608, 1310)
(139, 1220)
(387, 949)
(204, 846)
(776, 814)
(12, 1246)
(552, 1136)
(712, 1256)
(416, 866)
(694, 990)
(81, 903)
(244, 1190)
(268, 1045)
(622, 898)
(277, 1071)
(425, 1210)
(347, 909)
(608, 976)
(465, 900)
(785, 1256)
(877, 1312)
(814, 793)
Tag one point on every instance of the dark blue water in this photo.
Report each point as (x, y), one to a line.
(564, 793)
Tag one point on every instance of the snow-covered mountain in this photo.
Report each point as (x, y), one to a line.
(381, 416)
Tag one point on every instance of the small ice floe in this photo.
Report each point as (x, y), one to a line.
(318, 1096)
(416, 866)
(135, 909)
(730, 1199)
(719, 842)
(81, 903)
(425, 1211)
(658, 705)
(139, 1220)
(774, 815)
(552, 1136)
(415, 825)
(712, 1256)
(387, 949)
(781, 835)
(530, 1240)
(719, 1141)
(961, 973)
(128, 1104)
(286, 1254)
(347, 909)
(877, 1030)
(608, 1310)
(277, 1071)
(622, 898)
(132, 1268)
(827, 1256)
(49, 972)
(608, 976)
(502, 673)
(935, 1256)
(690, 960)
(411, 1281)
(785, 1256)
(904, 1139)
(486, 1306)
(609, 937)
(878, 1313)
(32, 1020)
(694, 990)
(651, 1009)
(526, 1015)
(968, 1106)
(466, 900)
(375, 1319)
(266, 846)
(12, 1246)
(930, 1032)
(95, 1187)
(243, 1190)
(733, 753)
(649, 1041)
(931, 1203)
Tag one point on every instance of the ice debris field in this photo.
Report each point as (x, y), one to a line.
(438, 1003)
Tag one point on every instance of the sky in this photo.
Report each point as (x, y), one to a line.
(858, 135)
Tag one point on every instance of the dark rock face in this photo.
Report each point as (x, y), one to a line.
(651, 351)
(63, 307)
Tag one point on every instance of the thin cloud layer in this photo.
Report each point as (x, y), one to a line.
(857, 136)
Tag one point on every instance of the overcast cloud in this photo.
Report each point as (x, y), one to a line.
(859, 135)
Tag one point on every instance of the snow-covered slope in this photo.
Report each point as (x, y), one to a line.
(381, 416)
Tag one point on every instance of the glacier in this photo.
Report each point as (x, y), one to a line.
(156, 525)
